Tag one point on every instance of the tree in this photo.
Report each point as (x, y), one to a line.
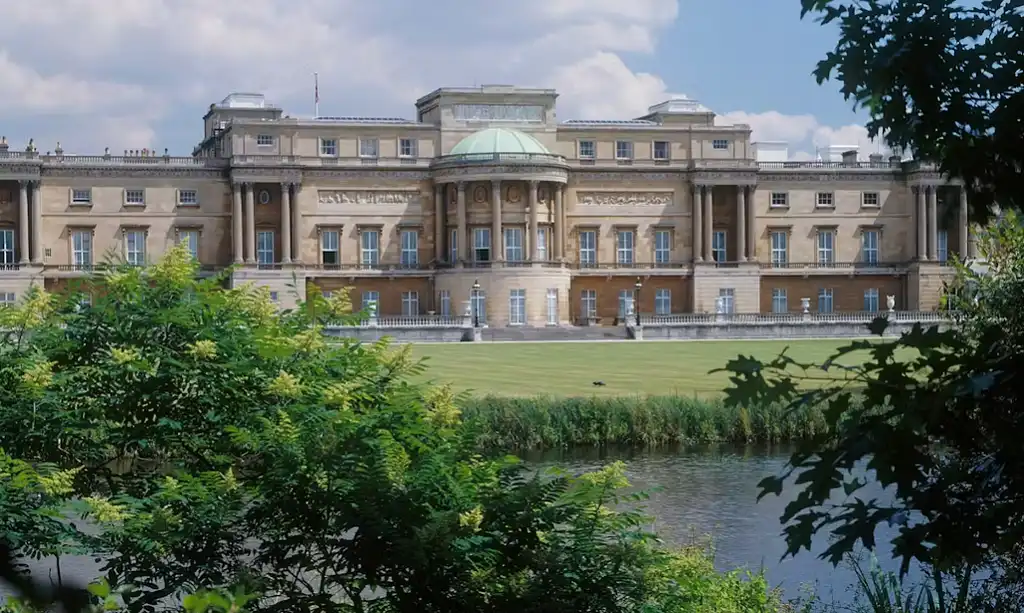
(941, 79)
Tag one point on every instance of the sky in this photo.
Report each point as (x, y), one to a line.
(133, 74)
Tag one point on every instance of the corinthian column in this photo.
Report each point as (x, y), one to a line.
(534, 243)
(250, 225)
(741, 223)
(697, 195)
(709, 207)
(236, 222)
(23, 222)
(498, 254)
(933, 226)
(439, 222)
(559, 203)
(922, 225)
(286, 223)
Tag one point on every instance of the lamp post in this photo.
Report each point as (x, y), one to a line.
(473, 304)
(636, 301)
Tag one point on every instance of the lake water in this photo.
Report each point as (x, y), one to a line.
(702, 490)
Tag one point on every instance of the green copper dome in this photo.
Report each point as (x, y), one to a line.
(498, 140)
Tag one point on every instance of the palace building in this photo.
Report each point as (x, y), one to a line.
(552, 222)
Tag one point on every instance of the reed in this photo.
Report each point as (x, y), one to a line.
(547, 422)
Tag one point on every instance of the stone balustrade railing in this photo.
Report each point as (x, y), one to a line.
(866, 317)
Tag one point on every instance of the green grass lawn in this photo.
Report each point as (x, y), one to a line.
(565, 369)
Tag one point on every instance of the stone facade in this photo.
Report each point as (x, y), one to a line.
(669, 209)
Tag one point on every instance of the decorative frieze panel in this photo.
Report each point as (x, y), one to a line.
(702, 177)
(826, 177)
(368, 197)
(582, 177)
(385, 175)
(624, 198)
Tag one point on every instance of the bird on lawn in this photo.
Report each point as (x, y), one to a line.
(599, 383)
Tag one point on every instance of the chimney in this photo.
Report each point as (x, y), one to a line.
(850, 157)
(3, 143)
(876, 159)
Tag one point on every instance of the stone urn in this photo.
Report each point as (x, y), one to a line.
(890, 302)
(805, 304)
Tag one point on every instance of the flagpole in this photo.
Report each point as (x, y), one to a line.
(316, 94)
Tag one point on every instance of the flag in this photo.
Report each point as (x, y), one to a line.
(316, 88)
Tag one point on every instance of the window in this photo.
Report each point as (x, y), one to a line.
(552, 306)
(7, 259)
(81, 196)
(371, 302)
(869, 247)
(517, 307)
(587, 150)
(478, 306)
(135, 247)
(662, 246)
(779, 200)
(780, 301)
(825, 300)
(624, 242)
(330, 248)
(7, 299)
(265, 248)
(625, 303)
(445, 298)
(662, 302)
(588, 248)
(869, 199)
(410, 256)
(660, 150)
(824, 200)
(720, 144)
(871, 300)
(410, 304)
(369, 147)
(718, 246)
(728, 296)
(135, 197)
(81, 249)
(190, 238)
(407, 148)
(942, 245)
(273, 296)
(513, 244)
(188, 197)
(542, 244)
(481, 244)
(588, 303)
(780, 248)
(327, 294)
(328, 147)
(453, 243)
(264, 140)
(369, 248)
(826, 247)
(623, 150)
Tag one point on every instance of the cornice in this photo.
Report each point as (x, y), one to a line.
(828, 176)
(582, 176)
(133, 172)
(724, 177)
(407, 175)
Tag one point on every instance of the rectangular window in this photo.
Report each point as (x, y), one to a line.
(264, 140)
(626, 303)
(517, 307)
(552, 306)
(662, 246)
(869, 200)
(542, 244)
(780, 248)
(588, 303)
(407, 148)
(135, 197)
(779, 200)
(661, 150)
(826, 247)
(720, 144)
(871, 300)
(623, 150)
(81, 196)
(135, 247)
(273, 296)
(625, 241)
(445, 298)
(188, 197)
(453, 246)
(588, 248)
(942, 245)
(824, 200)
(478, 306)
(265, 248)
(728, 296)
(780, 301)
(369, 148)
(369, 248)
(481, 244)
(328, 147)
(410, 304)
(7, 257)
(7, 299)
(513, 244)
(190, 238)
(662, 302)
(371, 302)
(825, 300)
(869, 247)
(330, 248)
(410, 256)
(587, 150)
(81, 249)
(718, 246)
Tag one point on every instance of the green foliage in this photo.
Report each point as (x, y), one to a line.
(545, 422)
(942, 430)
(222, 455)
(940, 79)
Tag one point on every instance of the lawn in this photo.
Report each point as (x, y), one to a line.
(564, 369)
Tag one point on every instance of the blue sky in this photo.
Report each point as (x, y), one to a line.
(140, 73)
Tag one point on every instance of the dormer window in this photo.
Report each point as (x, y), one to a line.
(660, 150)
(369, 148)
(264, 140)
(328, 147)
(623, 150)
(587, 150)
(720, 143)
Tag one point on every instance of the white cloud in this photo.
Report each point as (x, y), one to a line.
(139, 73)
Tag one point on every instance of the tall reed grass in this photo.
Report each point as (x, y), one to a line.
(546, 422)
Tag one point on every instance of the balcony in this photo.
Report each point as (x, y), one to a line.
(469, 159)
(370, 270)
(603, 267)
(84, 270)
(833, 268)
(328, 161)
(132, 159)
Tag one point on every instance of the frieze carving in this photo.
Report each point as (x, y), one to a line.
(368, 197)
(624, 198)
(619, 176)
(458, 171)
(513, 194)
(480, 194)
(724, 178)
